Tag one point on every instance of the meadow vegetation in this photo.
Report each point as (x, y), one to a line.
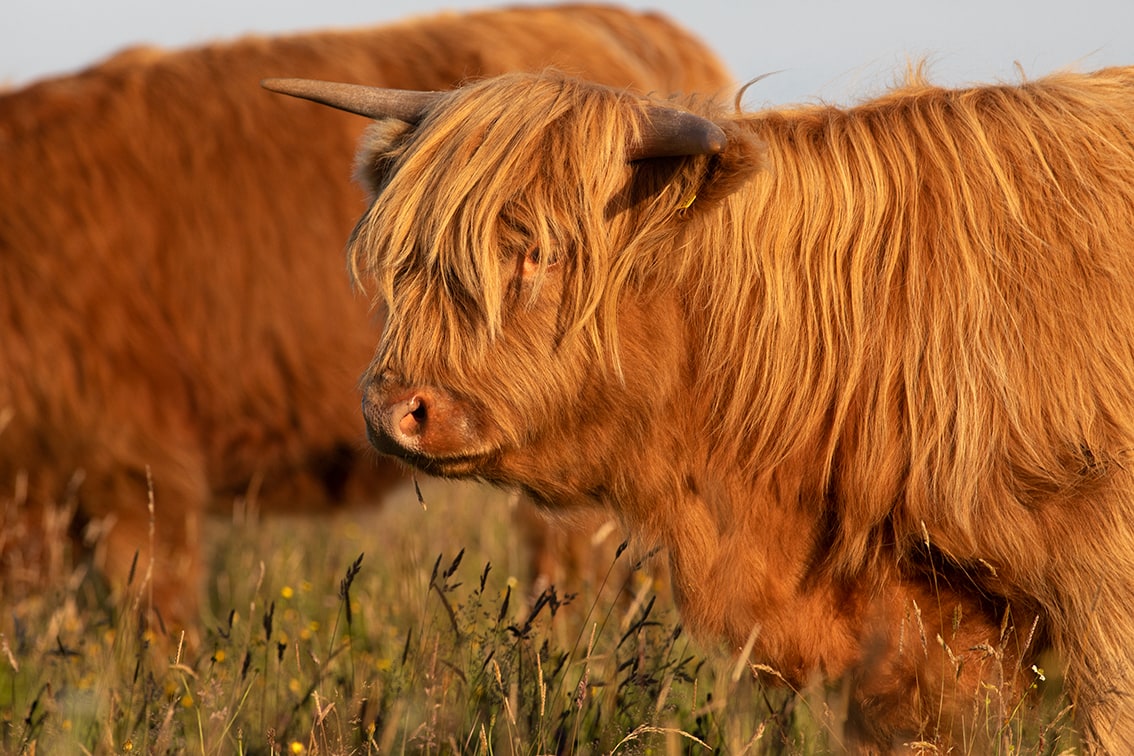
(406, 629)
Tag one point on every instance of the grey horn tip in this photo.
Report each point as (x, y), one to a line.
(674, 133)
(715, 140)
(293, 87)
(372, 102)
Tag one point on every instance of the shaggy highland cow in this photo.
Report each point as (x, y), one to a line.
(867, 373)
(173, 307)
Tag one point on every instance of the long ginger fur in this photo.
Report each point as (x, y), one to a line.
(864, 361)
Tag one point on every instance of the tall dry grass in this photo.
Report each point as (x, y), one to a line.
(405, 629)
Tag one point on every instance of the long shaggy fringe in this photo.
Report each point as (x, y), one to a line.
(456, 168)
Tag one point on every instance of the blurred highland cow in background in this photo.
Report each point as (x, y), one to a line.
(177, 315)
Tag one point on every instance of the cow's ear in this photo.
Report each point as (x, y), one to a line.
(721, 173)
(379, 148)
(692, 182)
(745, 156)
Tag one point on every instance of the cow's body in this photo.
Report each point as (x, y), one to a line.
(867, 373)
(173, 307)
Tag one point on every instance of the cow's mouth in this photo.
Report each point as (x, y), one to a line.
(473, 466)
(454, 467)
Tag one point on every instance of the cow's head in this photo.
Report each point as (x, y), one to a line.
(516, 241)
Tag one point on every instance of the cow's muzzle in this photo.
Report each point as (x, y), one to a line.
(418, 423)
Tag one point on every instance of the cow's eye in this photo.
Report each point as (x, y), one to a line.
(533, 256)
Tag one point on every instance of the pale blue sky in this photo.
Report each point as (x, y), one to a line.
(837, 51)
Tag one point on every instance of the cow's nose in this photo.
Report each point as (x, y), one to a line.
(415, 420)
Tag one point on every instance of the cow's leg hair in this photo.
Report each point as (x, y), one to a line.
(151, 499)
(1095, 634)
(1074, 558)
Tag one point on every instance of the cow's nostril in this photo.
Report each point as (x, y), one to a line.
(419, 411)
(410, 416)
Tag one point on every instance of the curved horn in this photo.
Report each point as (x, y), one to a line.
(372, 102)
(673, 133)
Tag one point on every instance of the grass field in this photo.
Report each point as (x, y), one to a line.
(407, 629)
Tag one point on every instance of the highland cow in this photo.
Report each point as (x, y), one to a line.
(867, 373)
(174, 311)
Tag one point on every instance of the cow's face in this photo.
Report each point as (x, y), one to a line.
(512, 245)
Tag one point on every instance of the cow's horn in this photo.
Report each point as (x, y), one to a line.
(673, 133)
(372, 102)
